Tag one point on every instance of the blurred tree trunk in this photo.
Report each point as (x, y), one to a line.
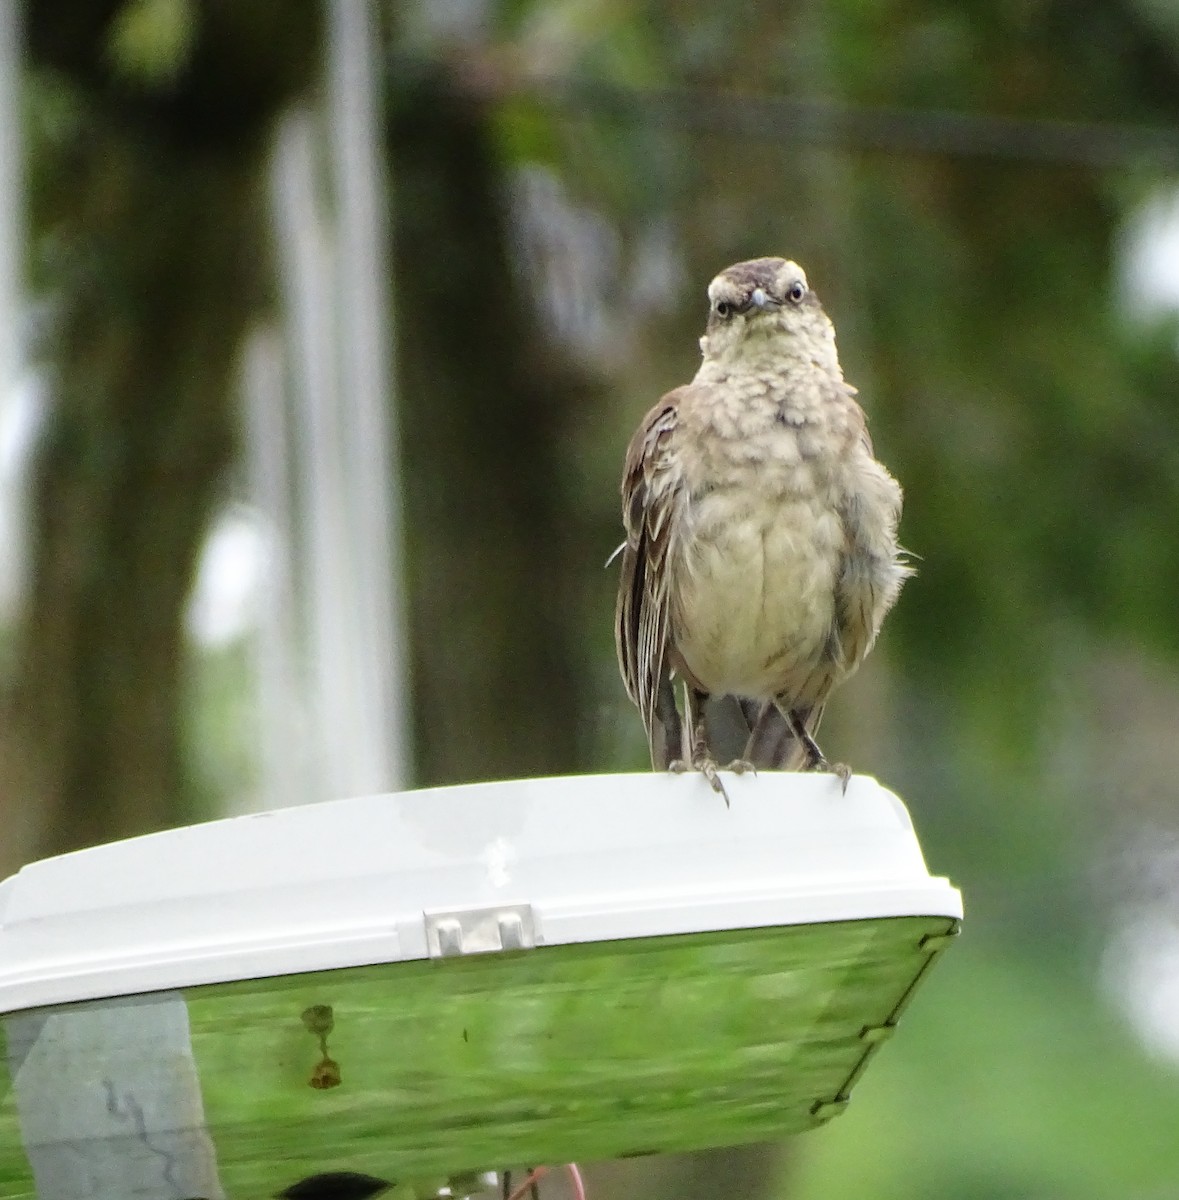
(154, 215)
(494, 550)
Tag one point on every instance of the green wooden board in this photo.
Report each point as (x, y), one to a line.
(546, 1055)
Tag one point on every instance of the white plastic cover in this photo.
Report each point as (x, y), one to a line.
(349, 882)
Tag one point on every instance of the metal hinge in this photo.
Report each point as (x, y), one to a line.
(480, 930)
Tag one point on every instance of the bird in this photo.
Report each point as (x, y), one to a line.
(761, 552)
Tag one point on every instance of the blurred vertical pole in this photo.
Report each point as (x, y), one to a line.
(364, 335)
(286, 770)
(331, 657)
(319, 535)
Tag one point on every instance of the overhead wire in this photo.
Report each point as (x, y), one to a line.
(825, 122)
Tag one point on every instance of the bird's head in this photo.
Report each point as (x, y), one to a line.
(764, 309)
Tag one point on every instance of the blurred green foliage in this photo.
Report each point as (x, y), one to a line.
(150, 40)
(1005, 1081)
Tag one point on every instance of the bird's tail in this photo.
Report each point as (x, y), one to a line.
(772, 744)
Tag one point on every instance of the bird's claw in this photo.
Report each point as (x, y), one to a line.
(707, 767)
(841, 769)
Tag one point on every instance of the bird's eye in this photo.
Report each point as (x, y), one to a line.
(723, 309)
(796, 292)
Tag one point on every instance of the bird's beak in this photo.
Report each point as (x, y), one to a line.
(761, 301)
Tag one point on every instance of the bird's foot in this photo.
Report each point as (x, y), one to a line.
(841, 769)
(741, 766)
(707, 767)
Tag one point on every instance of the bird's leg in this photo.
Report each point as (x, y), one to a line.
(687, 759)
(745, 764)
(700, 759)
(751, 711)
(669, 752)
(815, 759)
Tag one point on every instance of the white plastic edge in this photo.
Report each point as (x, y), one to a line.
(347, 883)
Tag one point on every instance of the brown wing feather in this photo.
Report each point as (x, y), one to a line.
(872, 568)
(652, 497)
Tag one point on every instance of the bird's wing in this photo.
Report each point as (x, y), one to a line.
(872, 569)
(652, 501)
